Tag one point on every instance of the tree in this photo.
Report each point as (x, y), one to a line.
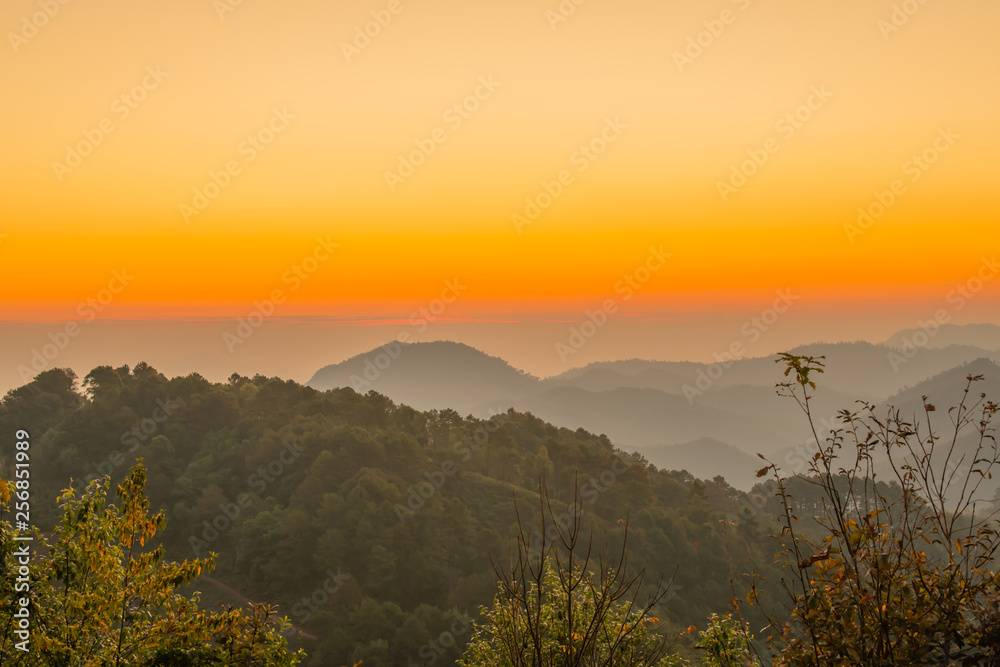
(724, 642)
(900, 578)
(51, 394)
(101, 595)
(551, 609)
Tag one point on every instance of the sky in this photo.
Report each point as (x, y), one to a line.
(519, 168)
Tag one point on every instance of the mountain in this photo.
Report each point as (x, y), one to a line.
(645, 418)
(705, 458)
(864, 370)
(370, 524)
(858, 369)
(642, 404)
(983, 336)
(943, 391)
(429, 376)
(647, 376)
(947, 389)
(779, 413)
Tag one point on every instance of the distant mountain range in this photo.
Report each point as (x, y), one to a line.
(985, 336)
(672, 411)
(706, 458)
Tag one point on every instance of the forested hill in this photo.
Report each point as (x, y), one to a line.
(369, 523)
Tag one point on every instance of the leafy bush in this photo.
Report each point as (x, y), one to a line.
(901, 578)
(100, 596)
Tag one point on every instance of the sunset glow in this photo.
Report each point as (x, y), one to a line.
(533, 153)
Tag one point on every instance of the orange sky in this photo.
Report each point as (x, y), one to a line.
(160, 96)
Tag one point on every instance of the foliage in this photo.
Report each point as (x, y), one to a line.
(99, 596)
(573, 626)
(368, 523)
(900, 578)
(550, 609)
(725, 643)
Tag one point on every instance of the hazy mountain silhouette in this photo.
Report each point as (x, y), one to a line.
(943, 391)
(763, 405)
(858, 369)
(985, 336)
(645, 417)
(706, 458)
(636, 374)
(429, 376)
(652, 406)
(946, 389)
